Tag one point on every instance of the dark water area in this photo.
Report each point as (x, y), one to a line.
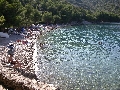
(85, 57)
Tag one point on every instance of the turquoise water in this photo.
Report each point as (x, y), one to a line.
(81, 58)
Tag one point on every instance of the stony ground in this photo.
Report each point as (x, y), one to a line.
(23, 54)
(2, 88)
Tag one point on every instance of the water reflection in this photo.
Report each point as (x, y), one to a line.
(81, 58)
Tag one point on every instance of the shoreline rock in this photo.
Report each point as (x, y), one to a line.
(11, 79)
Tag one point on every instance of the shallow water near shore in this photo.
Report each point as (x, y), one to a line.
(85, 57)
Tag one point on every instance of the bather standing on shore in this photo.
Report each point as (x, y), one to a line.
(11, 54)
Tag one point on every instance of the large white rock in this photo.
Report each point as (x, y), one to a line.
(5, 35)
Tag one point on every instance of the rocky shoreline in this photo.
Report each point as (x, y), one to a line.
(24, 78)
(15, 81)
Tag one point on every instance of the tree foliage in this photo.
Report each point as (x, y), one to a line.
(107, 17)
(47, 17)
(2, 20)
(26, 12)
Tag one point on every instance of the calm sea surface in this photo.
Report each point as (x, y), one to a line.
(85, 57)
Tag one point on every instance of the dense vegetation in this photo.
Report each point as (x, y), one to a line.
(98, 5)
(25, 12)
(104, 10)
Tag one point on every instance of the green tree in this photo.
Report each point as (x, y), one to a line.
(47, 17)
(76, 15)
(2, 20)
(37, 16)
(66, 13)
(10, 10)
(28, 14)
(57, 19)
(107, 17)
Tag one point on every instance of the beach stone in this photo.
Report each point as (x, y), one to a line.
(24, 78)
(2, 88)
(19, 82)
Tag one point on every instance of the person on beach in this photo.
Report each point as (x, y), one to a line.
(11, 61)
(29, 33)
(11, 54)
(14, 62)
(11, 50)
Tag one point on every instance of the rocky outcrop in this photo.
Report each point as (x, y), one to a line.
(10, 78)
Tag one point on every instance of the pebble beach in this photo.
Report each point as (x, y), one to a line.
(24, 74)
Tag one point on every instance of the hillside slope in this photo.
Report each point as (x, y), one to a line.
(98, 5)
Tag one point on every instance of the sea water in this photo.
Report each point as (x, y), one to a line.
(85, 57)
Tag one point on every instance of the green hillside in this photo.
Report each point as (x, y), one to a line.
(98, 5)
(25, 12)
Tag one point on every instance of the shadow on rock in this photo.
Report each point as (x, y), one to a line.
(29, 75)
